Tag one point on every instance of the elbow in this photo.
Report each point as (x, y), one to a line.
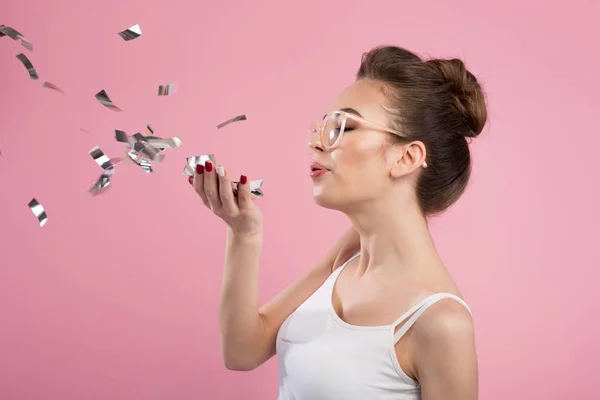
(238, 361)
(237, 364)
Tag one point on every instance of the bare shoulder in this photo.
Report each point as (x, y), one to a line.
(444, 352)
(446, 321)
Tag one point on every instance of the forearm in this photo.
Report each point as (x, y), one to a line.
(240, 322)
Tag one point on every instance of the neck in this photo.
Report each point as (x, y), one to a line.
(399, 238)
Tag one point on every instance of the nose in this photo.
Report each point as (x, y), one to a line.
(314, 143)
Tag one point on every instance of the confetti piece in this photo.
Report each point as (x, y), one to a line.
(10, 32)
(15, 35)
(27, 44)
(52, 86)
(160, 143)
(103, 182)
(37, 210)
(103, 98)
(166, 90)
(108, 166)
(191, 163)
(234, 119)
(131, 33)
(85, 131)
(32, 73)
(101, 159)
(146, 145)
(255, 187)
(149, 131)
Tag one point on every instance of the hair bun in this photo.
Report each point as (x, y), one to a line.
(467, 93)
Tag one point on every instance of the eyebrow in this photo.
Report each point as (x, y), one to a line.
(348, 110)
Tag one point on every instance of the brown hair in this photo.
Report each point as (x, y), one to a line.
(438, 102)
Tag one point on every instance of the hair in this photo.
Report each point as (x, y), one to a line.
(438, 102)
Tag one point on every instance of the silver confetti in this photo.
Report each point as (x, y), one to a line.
(191, 163)
(166, 90)
(27, 44)
(108, 166)
(131, 33)
(101, 159)
(15, 35)
(160, 143)
(37, 210)
(103, 182)
(52, 86)
(10, 32)
(103, 98)
(255, 187)
(146, 145)
(234, 119)
(32, 73)
(149, 131)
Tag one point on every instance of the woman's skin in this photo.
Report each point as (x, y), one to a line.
(372, 180)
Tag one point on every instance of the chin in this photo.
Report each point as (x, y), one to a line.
(326, 200)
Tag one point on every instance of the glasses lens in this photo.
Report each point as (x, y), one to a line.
(332, 129)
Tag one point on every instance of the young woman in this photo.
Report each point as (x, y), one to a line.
(389, 322)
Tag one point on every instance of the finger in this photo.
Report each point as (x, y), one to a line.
(211, 186)
(226, 192)
(244, 195)
(197, 181)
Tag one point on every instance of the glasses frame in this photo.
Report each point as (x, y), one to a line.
(364, 122)
(319, 129)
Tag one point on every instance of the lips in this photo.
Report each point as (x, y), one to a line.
(314, 166)
(317, 170)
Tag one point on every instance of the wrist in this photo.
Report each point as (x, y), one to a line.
(244, 236)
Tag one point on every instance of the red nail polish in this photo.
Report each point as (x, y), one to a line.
(199, 168)
(208, 166)
(191, 180)
(243, 179)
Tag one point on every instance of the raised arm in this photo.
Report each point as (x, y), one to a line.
(248, 333)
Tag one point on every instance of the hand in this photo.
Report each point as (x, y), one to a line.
(238, 211)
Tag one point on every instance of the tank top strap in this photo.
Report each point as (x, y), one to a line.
(418, 309)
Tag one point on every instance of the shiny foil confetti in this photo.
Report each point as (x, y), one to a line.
(15, 35)
(52, 86)
(103, 182)
(166, 90)
(103, 98)
(39, 212)
(144, 149)
(234, 119)
(32, 73)
(255, 187)
(131, 33)
(108, 166)
(191, 163)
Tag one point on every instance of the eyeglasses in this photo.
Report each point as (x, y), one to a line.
(331, 129)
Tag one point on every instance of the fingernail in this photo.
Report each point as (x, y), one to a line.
(208, 166)
(199, 168)
(221, 171)
(191, 180)
(243, 179)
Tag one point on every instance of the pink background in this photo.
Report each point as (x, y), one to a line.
(116, 297)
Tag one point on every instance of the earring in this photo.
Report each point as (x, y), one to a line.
(424, 164)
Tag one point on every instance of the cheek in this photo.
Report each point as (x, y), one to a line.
(358, 155)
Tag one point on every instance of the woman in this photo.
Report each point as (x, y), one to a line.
(388, 323)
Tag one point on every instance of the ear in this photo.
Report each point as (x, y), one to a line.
(407, 158)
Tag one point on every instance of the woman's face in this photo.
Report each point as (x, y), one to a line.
(359, 168)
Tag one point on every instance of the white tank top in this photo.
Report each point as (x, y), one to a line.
(321, 357)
